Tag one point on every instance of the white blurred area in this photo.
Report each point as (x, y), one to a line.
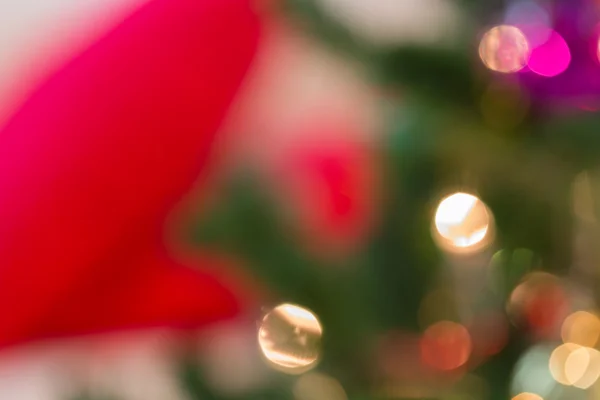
(295, 79)
(292, 77)
(388, 22)
(128, 366)
(37, 36)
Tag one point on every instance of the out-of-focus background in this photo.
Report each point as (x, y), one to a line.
(299, 199)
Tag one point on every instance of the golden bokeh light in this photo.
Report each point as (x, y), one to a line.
(446, 346)
(582, 328)
(462, 223)
(316, 386)
(290, 338)
(583, 379)
(558, 361)
(527, 396)
(575, 365)
(504, 48)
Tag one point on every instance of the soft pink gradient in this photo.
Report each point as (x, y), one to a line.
(551, 58)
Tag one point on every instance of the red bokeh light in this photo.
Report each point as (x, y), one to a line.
(446, 346)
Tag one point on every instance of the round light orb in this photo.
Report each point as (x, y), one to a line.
(504, 49)
(532, 375)
(582, 328)
(289, 338)
(558, 361)
(462, 223)
(527, 396)
(540, 304)
(574, 365)
(550, 58)
(446, 346)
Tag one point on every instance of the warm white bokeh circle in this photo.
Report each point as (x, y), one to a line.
(289, 337)
(462, 223)
(504, 48)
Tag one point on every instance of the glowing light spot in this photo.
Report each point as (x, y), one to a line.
(446, 346)
(315, 386)
(539, 303)
(557, 362)
(551, 57)
(574, 365)
(463, 223)
(583, 367)
(527, 396)
(289, 338)
(582, 328)
(531, 373)
(504, 49)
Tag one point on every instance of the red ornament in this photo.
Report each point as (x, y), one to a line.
(327, 178)
(97, 157)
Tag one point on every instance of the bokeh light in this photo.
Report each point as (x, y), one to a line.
(558, 360)
(532, 375)
(463, 223)
(446, 346)
(316, 386)
(504, 48)
(527, 396)
(551, 57)
(582, 328)
(290, 337)
(539, 303)
(574, 365)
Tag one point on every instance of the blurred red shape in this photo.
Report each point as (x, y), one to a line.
(97, 157)
(446, 346)
(327, 179)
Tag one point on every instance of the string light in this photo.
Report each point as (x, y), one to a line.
(574, 365)
(446, 346)
(582, 328)
(289, 338)
(539, 303)
(462, 223)
(527, 396)
(504, 48)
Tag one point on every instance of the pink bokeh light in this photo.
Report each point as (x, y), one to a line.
(550, 58)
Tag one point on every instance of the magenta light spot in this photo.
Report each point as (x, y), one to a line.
(550, 58)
